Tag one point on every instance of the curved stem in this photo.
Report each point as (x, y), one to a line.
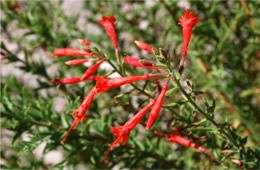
(198, 108)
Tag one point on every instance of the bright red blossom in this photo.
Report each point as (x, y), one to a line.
(61, 52)
(109, 24)
(84, 42)
(139, 63)
(103, 84)
(188, 21)
(71, 80)
(144, 46)
(176, 138)
(76, 62)
(122, 132)
(80, 112)
(91, 70)
(157, 106)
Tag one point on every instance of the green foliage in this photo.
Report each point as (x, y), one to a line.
(221, 74)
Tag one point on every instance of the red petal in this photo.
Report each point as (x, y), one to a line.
(144, 46)
(117, 130)
(157, 107)
(61, 52)
(91, 70)
(139, 63)
(73, 125)
(84, 42)
(109, 23)
(76, 62)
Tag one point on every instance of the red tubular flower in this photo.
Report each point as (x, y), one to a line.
(109, 24)
(157, 106)
(175, 137)
(61, 52)
(139, 63)
(80, 113)
(144, 46)
(84, 42)
(68, 80)
(104, 84)
(122, 132)
(91, 70)
(71, 80)
(188, 21)
(76, 62)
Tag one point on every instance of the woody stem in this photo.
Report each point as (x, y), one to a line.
(198, 108)
(118, 56)
(118, 59)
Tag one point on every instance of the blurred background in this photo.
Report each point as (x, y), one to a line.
(223, 61)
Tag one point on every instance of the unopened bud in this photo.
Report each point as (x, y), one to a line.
(163, 53)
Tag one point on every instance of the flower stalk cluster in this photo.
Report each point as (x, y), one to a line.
(104, 83)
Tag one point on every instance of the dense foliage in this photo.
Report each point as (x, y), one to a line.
(214, 104)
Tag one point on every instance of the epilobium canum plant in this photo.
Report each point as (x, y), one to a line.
(165, 73)
(192, 82)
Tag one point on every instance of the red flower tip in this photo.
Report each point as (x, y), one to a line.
(107, 20)
(76, 62)
(84, 42)
(68, 80)
(188, 21)
(121, 135)
(91, 70)
(176, 138)
(157, 107)
(109, 24)
(103, 84)
(139, 63)
(122, 132)
(73, 125)
(144, 46)
(80, 112)
(71, 80)
(116, 130)
(61, 52)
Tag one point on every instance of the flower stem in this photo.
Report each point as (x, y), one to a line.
(120, 63)
(197, 107)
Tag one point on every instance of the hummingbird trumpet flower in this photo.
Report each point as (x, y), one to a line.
(157, 106)
(103, 84)
(62, 52)
(109, 24)
(144, 46)
(77, 62)
(91, 70)
(71, 80)
(84, 42)
(187, 22)
(80, 112)
(122, 132)
(139, 63)
(176, 138)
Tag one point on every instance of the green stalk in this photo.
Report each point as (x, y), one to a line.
(197, 107)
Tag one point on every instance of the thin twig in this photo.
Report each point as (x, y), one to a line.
(194, 104)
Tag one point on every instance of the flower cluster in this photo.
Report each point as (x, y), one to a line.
(104, 84)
